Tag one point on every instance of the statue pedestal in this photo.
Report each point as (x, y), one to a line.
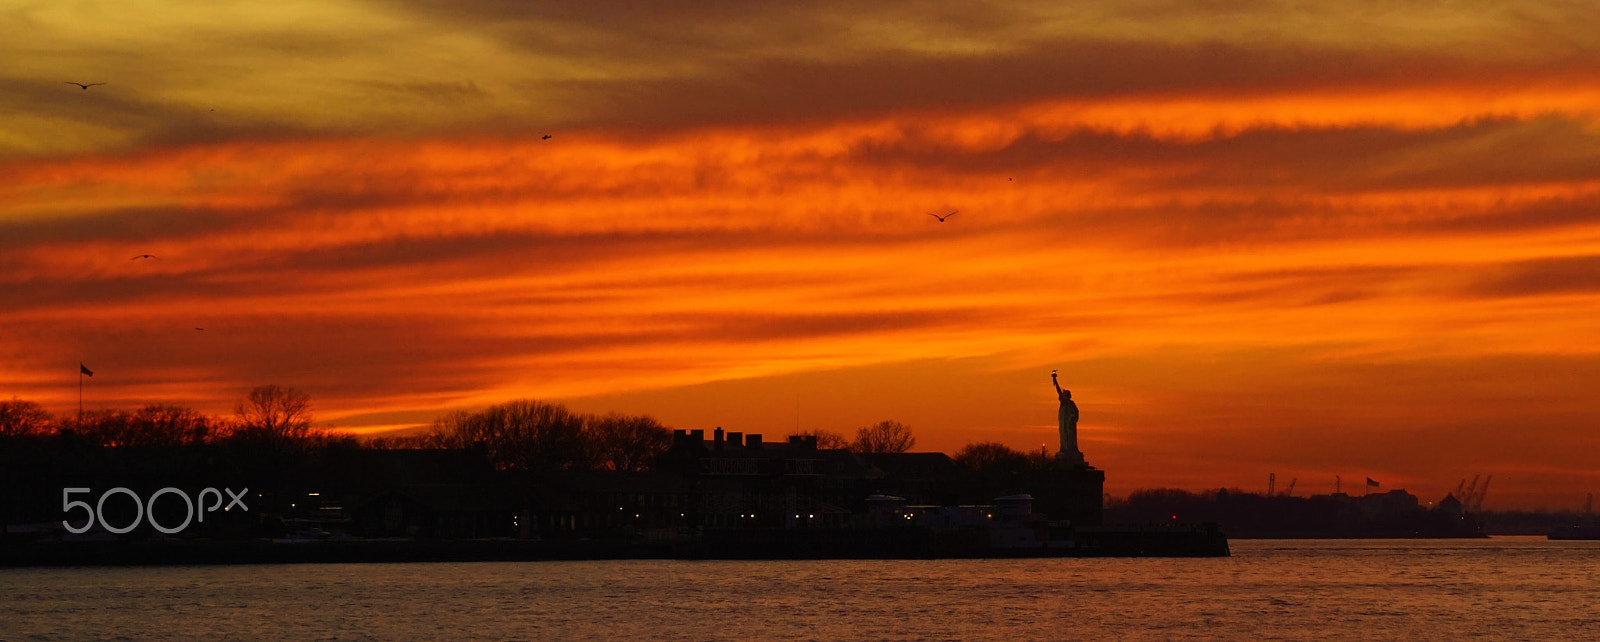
(1074, 458)
(1072, 491)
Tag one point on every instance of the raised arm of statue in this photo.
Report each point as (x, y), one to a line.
(1055, 383)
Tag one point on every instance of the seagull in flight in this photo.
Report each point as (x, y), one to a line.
(145, 256)
(545, 137)
(85, 87)
(942, 218)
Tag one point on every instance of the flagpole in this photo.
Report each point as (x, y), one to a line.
(82, 370)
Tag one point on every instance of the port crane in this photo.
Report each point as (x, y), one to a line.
(1477, 500)
(1272, 486)
(1471, 495)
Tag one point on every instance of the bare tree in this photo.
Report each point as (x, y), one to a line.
(161, 424)
(520, 435)
(109, 428)
(827, 439)
(20, 418)
(275, 412)
(451, 430)
(152, 425)
(990, 456)
(328, 438)
(883, 437)
(628, 442)
(400, 442)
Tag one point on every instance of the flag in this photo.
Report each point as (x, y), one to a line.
(85, 369)
(1371, 483)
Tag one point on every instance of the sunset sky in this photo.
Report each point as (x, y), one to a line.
(1355, 238)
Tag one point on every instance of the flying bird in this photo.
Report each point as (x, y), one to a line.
(200, 329)
(545, 137)
(145, 256)
(942, 218)
(85, 87)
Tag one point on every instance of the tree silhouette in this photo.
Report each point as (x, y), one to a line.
(827, 439)
(109, 428)
(20, 418)
(450, 430)
(400, 442)
(991, 457)
(883, 437)
(524, 435)
(628, 443)
(999, 469)
(537, 436)
(161, 424)
(275, 413)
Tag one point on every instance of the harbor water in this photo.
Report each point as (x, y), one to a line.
(1494, 589)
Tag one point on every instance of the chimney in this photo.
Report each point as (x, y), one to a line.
(796, 440)
(811, 442)
(735, 438)
(697, 438)
(716, 439)
(752, 440)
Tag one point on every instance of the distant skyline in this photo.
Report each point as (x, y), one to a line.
(1345, 238)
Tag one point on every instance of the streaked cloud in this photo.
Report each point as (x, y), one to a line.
(1261, 236)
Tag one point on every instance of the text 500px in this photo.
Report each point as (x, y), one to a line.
(196, 510)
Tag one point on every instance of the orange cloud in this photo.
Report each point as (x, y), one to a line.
(1360, 265)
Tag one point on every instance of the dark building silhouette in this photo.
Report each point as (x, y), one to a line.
(921, 478)
(445, 511)
(1073, 493)
(736, 480)
(726, 494)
